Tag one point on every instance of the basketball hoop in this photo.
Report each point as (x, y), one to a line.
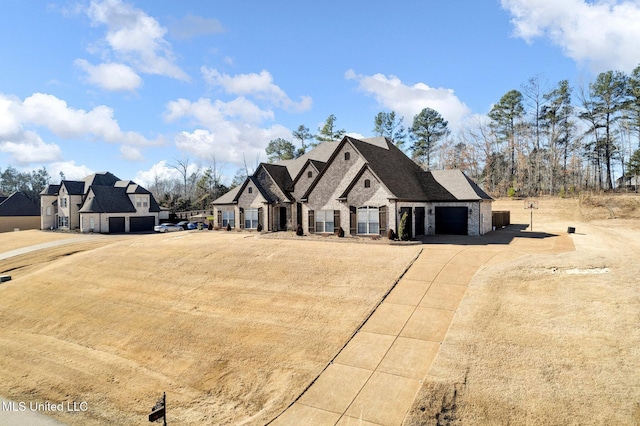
(531, 205)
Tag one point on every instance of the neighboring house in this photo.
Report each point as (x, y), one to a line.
(628, 182)
(362, 186)
(17, 211)
(99, 203)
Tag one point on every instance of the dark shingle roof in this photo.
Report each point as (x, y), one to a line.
(74, 187)
(399, 173)
(107, 199)
(18, 204)
(51, 190)
(100, 178)
(280, 176)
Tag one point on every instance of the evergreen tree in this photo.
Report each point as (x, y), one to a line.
(328, 132)
(428, 129)
(302, 134)
(386, 124)
(506, 119)
(280, 149)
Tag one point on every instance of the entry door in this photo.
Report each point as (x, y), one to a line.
(419, 221)
(283, 219)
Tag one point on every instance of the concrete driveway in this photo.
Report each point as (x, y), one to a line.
(376, 376)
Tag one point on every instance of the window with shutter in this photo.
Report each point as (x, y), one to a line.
(241, 218)
(324, 221)
(336, 221)
(383, 220)
(352, 220)
(312, 222)
(251, 218)
(368, 220)
(260, 217)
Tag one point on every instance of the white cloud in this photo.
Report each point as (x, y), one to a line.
(30, 148)
(224, 129)
(231, 142)
(53, 113)
(193, 26)
(259, 85)
(210, 114)
(603, 34)
(390, 92)
(111, 76)
(136, 39)
(71, 171)
(162, 171)
(19, 118)
(131, 153)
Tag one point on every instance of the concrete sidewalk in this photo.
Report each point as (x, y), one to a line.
(375, 378)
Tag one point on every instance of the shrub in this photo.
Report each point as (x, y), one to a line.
(391, 235)
(511, 192)
(259, 227)
(403, 231)
(341, 232)
(228, 227)
(299, 231)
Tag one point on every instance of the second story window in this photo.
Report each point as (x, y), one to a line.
(347, 156)
(250, 190)
(367, 183)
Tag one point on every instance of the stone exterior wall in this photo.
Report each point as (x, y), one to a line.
(48, 221)
(333, 184)
(304, 182)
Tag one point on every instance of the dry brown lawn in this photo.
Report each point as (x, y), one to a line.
(231, 326)
(548, 339)
(14, 240)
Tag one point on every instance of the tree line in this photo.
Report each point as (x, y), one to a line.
(30, 183)
(538, 140)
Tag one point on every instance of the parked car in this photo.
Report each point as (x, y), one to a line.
(187, 225)
(167, 227)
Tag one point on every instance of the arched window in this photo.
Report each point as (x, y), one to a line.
(367, 183)
(347, 156)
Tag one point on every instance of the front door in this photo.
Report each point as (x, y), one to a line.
(282, 226)
(419, 221)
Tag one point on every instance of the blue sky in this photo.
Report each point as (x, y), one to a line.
(132, 86)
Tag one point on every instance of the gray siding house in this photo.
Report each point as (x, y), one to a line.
(99, 203)
(363, 187)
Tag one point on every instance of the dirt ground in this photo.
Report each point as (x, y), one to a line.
(547, 339)
(232, 327)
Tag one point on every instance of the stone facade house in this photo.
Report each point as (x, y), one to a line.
(99, 203)
(362, 187)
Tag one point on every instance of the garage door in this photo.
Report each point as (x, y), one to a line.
(116, 225)
(142, 224)
(451, 220)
